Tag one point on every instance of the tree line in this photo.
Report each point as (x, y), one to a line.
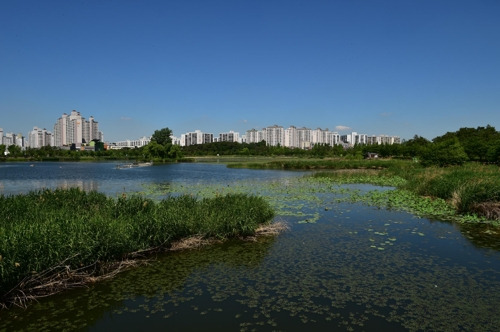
(481, 144)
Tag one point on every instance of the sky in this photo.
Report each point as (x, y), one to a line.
(392, 67)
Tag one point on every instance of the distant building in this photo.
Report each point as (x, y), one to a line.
(274, 135)
(230, 136)
(75, 129)
(354, 138)
(254, 136)
(40, 137)
(196, 137)
(383, 139)
(293, 137)
(137, 143)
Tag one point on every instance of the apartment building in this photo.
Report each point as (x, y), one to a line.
(254, 136)
(274, 135)
(230, 136)
(354, 138)
(383, 139)
(196, 137)
(136, 143)
(293, 137)
(40, 137)
(73, 128)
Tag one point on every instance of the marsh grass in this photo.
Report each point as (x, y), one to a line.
(369, 176)
(471, 189)
(83, 232)
(319, 164)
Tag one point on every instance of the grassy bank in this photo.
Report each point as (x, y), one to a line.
(472, 188)
(83, 232)
(318, 164)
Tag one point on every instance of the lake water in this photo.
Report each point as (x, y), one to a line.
(341, 266)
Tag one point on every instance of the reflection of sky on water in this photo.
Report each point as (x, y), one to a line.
(104, 176)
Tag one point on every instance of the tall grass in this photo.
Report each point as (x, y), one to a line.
(472, 188)
(465, 187)
(41, 229)
(320, 164)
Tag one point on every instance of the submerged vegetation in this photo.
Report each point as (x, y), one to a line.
(472, 189)
(52, 234)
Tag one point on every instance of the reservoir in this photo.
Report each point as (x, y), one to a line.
(341, 266)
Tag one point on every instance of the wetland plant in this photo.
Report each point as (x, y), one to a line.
(74, 233)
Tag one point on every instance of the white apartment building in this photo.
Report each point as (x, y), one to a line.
(354, 138)
(175, 140)
(137, 143)
(8, 139)
(75, 129)
(230, 136)
(196, 137)
(254, 136)
(291, 137)
(305, 138)
(274, 135)
(383, 139)
(40, 137)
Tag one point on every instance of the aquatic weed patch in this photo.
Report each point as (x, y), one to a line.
(304, 196)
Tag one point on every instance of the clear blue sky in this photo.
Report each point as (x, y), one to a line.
(395, 67)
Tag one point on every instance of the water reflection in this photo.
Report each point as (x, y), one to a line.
(482, 235)
(342, 266)
(161, 282)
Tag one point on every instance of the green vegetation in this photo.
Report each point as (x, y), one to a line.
(81, 230)
(480, 144)
(318, 164)
(471, 189)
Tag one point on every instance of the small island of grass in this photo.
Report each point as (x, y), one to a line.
(52, 240)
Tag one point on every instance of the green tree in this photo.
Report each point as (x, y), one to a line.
(415, 147)
(15, 151)
(478, 143)
(2, 150)
(175, 152)
(155, 150)
(444, 153)
(162, 136)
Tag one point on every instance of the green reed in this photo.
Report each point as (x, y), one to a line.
(472, 188)
(41, 229)
(319, 164)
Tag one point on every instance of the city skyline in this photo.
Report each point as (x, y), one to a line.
(396, 67)
(75, 116)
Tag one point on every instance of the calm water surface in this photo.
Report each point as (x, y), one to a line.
(352, 267)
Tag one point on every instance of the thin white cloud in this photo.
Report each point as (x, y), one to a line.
(385, 114)
(125, 118)
(342, 128)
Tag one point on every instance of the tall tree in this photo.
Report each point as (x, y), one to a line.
(444, 153)
(162, 136)
(15, 151)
